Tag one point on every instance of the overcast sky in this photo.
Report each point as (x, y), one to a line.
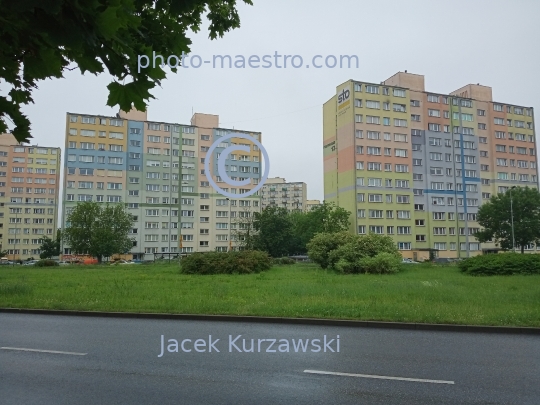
(452, 43)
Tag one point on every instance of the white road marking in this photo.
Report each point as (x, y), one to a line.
(42, 351)
(381, 377)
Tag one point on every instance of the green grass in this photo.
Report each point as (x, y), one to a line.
(419, 293)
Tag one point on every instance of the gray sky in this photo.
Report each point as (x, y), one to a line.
(452, 43)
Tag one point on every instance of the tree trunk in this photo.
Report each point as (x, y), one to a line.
(522, 249)
(99, 259)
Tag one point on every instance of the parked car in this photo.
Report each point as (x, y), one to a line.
(7, 262)
(64, 263)
(442, 260)
(408, 261)
(125, 262)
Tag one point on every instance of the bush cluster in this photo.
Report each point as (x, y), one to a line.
(501, 264)
(284, 260)
(46, 263)
(349, 253)
(243, 262)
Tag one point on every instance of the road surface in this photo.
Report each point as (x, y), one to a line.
(46, 359)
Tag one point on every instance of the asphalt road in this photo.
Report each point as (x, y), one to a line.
(115, 361)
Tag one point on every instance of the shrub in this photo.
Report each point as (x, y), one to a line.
(284, 261)
(322, 244)
(46, 263)
(355, 253)
(501, 264)
(243, 262)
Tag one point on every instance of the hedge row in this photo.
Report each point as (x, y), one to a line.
(501, 264)
(46, 263)
(243, 262)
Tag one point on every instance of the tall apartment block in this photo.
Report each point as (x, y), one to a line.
(416, 165)
(29, 182)
(277, 192)
(157, 170)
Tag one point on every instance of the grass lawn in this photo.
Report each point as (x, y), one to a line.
(419, 293)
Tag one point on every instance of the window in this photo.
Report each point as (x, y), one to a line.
(434, 113)
(402, 199)
(402, 183)
(432, 98)
(400, 152)
(373, 135)
(402, 168)
(439, 231)
(374, 166)
(85, 158)
(403, 230)
(415, 103)
(399, 107)
(498, 121)
(375, 213)
(373, 104)
(417, 162)
(400, 122)
(358, 118)
(370, 119)
(399, 93)
(372, 89)
(374, 197)
(434, 127)
(435, 141)
(116, 160)
(359, 134)
(435, 156)
(400, 138)
(403, 214)
(371, 150)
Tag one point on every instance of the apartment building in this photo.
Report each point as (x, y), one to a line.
(157, 170)
(277, 192)
(29, 183)
(416, 165)
(310, 204)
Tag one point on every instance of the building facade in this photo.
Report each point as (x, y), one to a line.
(416, 165)
(29, 184)
(157, 170)
(310, 204)
(277, 192)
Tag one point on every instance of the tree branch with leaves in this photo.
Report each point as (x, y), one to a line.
(43, 39)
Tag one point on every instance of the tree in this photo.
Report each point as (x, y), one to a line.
(496, 219)
(42, 39)
(244, 232)
(327, 218)
(274, 231)
(97, 230)
(49, 248)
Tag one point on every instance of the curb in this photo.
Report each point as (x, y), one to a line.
(294, 321)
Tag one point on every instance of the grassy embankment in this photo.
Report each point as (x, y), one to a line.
(419, 293)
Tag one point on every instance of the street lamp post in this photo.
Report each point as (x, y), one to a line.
(230, 240)
(512, 220)
(15, 240)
